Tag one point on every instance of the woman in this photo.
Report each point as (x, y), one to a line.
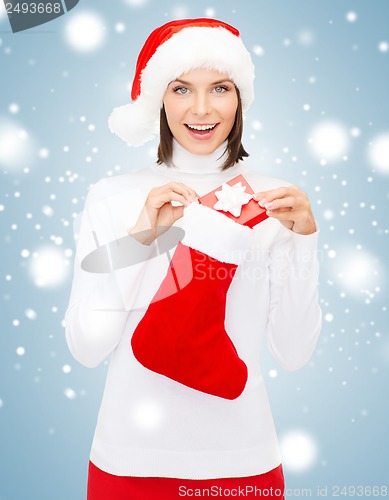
(185, 409)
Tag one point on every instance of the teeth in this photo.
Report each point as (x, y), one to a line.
(201, 127)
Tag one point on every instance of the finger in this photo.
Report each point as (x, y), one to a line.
(186, 191)
(178, 212)
(281, 210)
(173, 196)
(267, 196)
(282, 214)
(287, 202)
(157, 199)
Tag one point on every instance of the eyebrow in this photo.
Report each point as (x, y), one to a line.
(213, 83)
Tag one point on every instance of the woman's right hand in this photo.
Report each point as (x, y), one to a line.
(158, 213)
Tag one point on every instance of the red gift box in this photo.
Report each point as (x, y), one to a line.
(251, 213)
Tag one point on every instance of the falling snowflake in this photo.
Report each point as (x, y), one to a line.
(351, 17)
(120, 27)
(298, 450)
(258, 50)
(14, 108)
(16, 145)
(136, 3)
(85, 32)
(30, 314)
(357, 271)
(306, 38)
(48, 267)
(378, 153)
(329, 141)
(70, 393)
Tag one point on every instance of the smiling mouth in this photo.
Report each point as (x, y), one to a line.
(201, 131)
(201, 128)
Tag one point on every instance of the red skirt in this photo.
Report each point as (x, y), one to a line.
(104, 486)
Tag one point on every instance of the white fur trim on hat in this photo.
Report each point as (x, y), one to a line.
(214, 48)
(135, 123)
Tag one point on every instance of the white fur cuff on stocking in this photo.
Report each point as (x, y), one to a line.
(215, 234)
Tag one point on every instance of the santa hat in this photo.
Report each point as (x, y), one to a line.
(170, 51)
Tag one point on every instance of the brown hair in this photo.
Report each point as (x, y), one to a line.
(234, 147)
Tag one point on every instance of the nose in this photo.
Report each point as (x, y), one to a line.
(201, 104)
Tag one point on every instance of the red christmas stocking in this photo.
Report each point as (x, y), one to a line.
(182, 334)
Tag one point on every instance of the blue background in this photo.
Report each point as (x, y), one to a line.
(340, 399)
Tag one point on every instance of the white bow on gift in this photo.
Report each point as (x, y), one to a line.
(232, 198)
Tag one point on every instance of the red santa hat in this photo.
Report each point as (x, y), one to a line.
(170, 51)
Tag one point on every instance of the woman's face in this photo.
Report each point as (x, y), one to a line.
(200, 108)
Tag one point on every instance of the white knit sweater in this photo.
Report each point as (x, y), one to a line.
(149, 425)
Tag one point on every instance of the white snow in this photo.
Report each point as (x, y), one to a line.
(357, 271)
(298, 450)
(329, 141)
(378, 153)
(257, 125)
(48, 267)
(47, 210)
(355, 132)
(180, 12)
(85, 32)
(70, 393)
(30, 314)
(351, 17)
(210, 12)
(44, 153)
(136, 3)
(16, 145)
(14, 108)
(120, 27)
(258, 50)
(306, 38)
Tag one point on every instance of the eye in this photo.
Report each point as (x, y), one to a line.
(181, 90)
(220, 89)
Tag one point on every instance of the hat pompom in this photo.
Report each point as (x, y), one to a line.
(133, 124)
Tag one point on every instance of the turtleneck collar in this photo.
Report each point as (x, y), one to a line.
(198, 166)
(184, 161)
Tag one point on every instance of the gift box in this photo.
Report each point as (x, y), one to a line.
(251, 213)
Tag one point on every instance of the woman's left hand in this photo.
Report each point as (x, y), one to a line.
(290, 206)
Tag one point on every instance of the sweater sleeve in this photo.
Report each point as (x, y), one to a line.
(102, 297)
(295, 316)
